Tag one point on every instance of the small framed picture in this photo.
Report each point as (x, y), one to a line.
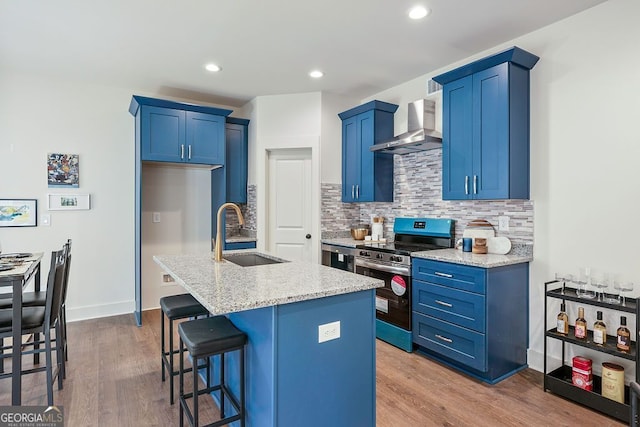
(68, 202)
(63, 170)
(18, 212)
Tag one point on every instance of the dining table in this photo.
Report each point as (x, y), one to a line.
(16, 271)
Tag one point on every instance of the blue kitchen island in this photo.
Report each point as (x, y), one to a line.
(310, 359)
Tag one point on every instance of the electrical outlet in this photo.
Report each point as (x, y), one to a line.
(503, 223)
(329, 331)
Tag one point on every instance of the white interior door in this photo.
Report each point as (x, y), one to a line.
(289, 204)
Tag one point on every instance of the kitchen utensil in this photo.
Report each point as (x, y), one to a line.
(498, 245)
(359, 231)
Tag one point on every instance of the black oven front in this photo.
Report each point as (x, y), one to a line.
(393, 302)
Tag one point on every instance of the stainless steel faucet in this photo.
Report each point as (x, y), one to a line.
(219, 243)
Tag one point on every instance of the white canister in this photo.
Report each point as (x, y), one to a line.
(377, 228)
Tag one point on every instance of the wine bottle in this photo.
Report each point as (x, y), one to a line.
(624, 336)
(580, 329)
(599, 330)
(562, 326)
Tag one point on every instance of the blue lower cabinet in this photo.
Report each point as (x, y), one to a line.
(473, 319)
(294, 380)
(228, 246)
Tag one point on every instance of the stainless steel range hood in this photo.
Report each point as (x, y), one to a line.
(421, 134)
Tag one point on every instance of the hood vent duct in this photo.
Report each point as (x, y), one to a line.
(421, 134)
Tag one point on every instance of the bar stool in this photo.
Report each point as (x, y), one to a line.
(204, 338)
(176, 307)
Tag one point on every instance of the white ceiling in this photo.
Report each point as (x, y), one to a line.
(265, 47)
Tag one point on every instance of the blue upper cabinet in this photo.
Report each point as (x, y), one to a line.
(169, 131)
(236, 159)
(485, 128)
(367, 176)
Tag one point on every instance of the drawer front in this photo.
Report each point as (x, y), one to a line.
(457, 276)
(461, 308)
(456, 343)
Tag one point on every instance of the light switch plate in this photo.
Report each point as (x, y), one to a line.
(329, 331)
(503, 223)
(155, 217)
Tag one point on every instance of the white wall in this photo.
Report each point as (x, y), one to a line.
(284, 121)
(182, 197)
(39, 116)
(585, 146)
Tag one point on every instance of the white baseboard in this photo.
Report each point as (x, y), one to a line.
(100, 310)
(535, 360)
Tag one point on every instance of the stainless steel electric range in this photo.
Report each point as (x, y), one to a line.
(391, 262)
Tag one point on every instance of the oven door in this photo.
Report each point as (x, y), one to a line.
(393, 302)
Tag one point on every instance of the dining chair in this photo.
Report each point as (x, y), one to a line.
(39, 298)
(41, 320)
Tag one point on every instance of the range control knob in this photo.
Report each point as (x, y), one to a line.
(396, 258)
(364, 253)
(379, 256)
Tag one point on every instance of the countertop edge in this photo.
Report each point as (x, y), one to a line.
(237, 305)
(475, 260)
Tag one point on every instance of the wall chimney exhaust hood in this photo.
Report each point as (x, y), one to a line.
(421, 134)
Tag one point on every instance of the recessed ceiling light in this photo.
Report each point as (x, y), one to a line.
(316, 74)
(213, 68)
(418, 12)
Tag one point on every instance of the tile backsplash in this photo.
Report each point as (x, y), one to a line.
(248, 212)
(418, 193)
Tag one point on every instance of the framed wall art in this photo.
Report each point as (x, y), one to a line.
(68, 202)
(18, 212)
(63, 170)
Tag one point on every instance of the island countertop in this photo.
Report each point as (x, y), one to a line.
(225, 287)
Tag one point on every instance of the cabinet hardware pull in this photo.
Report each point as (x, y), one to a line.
(440, 337)
(353, 191)
(189, 151)
(357, 191)
(466, 184)
(437, 273)
(446, 304)
(475, 184)
(181, 151)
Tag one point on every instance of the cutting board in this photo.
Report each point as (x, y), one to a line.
(498, 245)
(479, 228)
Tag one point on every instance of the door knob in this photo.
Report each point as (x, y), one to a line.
(308, 236)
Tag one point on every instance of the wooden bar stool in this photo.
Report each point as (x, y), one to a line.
(176, 307)
(204, 338)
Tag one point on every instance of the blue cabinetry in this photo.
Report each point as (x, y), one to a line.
(367, 176)
(236, 159)
(179, 133)
(174, 132)
(474, 319)
(485, 128)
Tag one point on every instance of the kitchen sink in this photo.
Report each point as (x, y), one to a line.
(252, 259)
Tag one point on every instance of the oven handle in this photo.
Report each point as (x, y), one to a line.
(405, 271)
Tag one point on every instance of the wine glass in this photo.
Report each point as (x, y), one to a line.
(623, 287)
(564, 278)
(600, 282)
(612, 297)
(584, 281)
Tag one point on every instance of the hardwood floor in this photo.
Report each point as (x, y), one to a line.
(113, 379)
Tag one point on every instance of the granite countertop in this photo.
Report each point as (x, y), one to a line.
(343, 241)
(226, 287)
(477, 260)
(240, 239)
